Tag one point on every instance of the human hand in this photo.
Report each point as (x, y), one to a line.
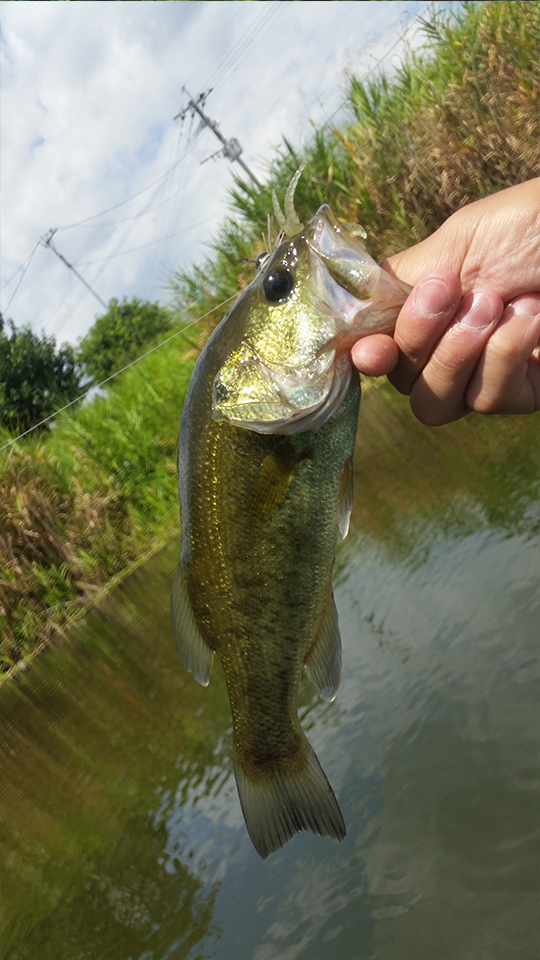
(479, 351)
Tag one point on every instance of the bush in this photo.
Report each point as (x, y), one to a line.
(118, 336)
(35, 378)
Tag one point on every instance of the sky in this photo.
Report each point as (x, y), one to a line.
(90, 146)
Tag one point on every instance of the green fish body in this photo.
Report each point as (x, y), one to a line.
(265, 483)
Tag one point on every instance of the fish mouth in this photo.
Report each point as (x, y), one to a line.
(343, 253)
(353, 297)
(361, 294)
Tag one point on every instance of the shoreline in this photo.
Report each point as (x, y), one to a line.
(61, 631)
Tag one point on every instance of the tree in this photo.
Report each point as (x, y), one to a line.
(36, 378)
(118, 336)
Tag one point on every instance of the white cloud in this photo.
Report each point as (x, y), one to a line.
(90, 90)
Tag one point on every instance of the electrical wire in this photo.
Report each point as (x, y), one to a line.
(20, 267)
(159, 184)
(86, 263)
(118, 372)
(122, 203)
(25, 268)
(209, 51)
(245, 41)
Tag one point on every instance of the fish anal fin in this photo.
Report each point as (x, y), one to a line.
(323, 662)
(272, 481)
(295, 796)
(346, 496)
(191, 646)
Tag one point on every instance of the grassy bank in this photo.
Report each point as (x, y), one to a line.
(87, 500)
(83, 502)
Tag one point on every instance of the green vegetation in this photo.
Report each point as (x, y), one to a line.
(35, 378)
(116, 337)
(459, 120)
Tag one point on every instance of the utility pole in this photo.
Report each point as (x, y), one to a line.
(231, 148)
(46, 241)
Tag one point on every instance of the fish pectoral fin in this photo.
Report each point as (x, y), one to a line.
(191, 646)
(295, 796)
(346, 496)
(272, 480)
(323, 662)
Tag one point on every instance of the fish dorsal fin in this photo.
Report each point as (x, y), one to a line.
(191, 646)
(273, 479)
(323, 662)
(346, 496)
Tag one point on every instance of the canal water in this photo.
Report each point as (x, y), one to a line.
(122, 836)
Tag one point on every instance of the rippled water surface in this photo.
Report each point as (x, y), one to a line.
(121, 830)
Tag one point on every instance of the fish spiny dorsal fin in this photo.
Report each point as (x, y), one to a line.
(289, 222)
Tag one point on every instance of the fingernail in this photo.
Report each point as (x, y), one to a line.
(432, 298)
(475, 311)
(527, 306)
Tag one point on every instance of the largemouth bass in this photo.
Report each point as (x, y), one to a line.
(265, 480)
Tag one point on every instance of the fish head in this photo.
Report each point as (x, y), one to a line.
(312, 298)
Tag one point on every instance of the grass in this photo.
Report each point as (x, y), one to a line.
(85, 501)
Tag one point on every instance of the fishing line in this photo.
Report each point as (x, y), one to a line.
(118, 372)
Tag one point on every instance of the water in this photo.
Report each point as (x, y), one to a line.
(121, 831)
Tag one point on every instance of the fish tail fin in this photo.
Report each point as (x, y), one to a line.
(278, 804)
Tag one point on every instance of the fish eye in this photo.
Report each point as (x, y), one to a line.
(278, 286)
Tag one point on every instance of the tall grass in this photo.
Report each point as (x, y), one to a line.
(82, 503)
(458, 120)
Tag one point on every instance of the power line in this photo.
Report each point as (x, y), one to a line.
(118, 372)
(46, 241)
(86, 263)
(247, 38)
(95, 216)
(231, 148)
(158, 184)
(24, 269)
(20, 267)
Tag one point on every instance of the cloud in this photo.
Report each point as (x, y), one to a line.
(90, 92)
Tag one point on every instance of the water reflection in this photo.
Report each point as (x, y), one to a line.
(121, 828)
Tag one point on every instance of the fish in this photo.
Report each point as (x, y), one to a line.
(265, 452)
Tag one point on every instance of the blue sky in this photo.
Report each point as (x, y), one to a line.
(90, 90)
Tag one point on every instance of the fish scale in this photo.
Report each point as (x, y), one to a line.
(265, 483)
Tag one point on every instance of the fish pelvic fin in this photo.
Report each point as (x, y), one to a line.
(292, 797)
(191, 646)
(323, 662)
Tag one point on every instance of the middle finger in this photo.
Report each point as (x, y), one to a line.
(438, 395)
